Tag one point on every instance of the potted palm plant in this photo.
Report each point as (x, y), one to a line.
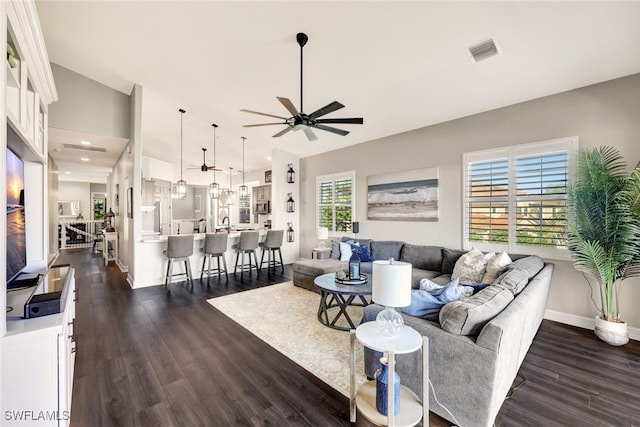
(604, 231)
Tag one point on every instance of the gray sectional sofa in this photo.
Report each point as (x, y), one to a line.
(477, 347)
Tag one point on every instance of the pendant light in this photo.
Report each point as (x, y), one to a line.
(214, 187)
(244, 190)
(228, 197)
(181, 186)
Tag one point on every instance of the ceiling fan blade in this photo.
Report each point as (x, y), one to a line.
(289, 106)
(263, 124)
(348, 121)
(329, 108)
(310, 135)
(213, 168)
(282, 132)
(332, 129)
(263, 114)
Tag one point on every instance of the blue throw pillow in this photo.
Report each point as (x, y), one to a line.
(427, 304)
(362, 251)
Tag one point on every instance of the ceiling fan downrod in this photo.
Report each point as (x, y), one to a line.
(302, 40)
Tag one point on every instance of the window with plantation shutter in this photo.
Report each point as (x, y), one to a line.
(515, 198)
(244, 209)
(335, 201)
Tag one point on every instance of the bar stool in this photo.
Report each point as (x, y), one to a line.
(271, 244)
(247, 244)
(179, 248)
(215, 245)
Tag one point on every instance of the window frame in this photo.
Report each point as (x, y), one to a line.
(333, 178)
(512, 153)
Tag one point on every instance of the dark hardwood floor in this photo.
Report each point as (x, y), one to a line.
(148, 358)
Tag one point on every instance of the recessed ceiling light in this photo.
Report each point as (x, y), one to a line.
(67, 173)
(85, 143)
(269, 158)
(84, 159)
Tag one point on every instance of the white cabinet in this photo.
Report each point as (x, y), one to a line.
(38, 357)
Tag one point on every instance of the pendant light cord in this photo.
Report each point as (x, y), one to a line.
(214, 151)
(181, 115)
(243, 139)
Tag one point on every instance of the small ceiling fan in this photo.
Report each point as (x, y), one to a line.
(307, 122)
(205, 167)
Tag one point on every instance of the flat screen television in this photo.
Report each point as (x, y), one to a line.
(16, 240)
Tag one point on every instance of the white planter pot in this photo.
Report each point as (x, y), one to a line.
(613, 333)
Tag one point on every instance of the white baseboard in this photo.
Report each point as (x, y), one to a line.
(582, 322)
(122, 267)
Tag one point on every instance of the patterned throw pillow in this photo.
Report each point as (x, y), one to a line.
(362, 251)
(345, 251)
(495, 267)
(471, 266)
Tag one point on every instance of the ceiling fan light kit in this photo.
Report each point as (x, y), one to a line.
(181, 186)
(307, 122)
(214, 187)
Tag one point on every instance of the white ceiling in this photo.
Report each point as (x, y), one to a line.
(400, 65)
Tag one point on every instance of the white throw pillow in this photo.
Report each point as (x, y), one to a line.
(470, 267)
(345, 251)
(495, 267)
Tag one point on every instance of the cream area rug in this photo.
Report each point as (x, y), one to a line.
(285, 317)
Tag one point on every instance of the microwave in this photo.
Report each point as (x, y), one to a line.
(262, 208)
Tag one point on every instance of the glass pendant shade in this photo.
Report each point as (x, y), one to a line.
(181, 189)
(214, 190)
(244, 190)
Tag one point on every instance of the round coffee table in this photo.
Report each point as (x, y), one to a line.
(340, 296)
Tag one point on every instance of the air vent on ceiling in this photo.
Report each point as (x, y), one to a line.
(85, 148)
(484, 50)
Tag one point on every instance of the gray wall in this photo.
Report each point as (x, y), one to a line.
(88, 106)
(603, 114)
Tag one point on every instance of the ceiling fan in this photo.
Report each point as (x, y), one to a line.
(205, 167)
(307, 122)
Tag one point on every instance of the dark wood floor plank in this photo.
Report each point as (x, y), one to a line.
(151, 358)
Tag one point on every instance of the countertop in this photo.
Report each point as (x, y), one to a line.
(196, 236)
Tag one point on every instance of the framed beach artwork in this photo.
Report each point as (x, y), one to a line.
(403, 196)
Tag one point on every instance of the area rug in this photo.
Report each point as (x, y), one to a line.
(285, 317)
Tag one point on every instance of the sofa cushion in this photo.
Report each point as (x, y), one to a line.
(449, 259)
(469, 317)
(417, 275)
(335, 249)
(385, 249)
(495, 267)
(471, 266)
(422, 257)
(316, 267)
(442, 279)
(519, 272)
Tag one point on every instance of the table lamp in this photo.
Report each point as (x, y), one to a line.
(391, 287)
(323, 234)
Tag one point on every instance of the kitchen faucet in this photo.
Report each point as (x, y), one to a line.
(226, 218)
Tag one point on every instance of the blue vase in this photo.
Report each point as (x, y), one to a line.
(382, 388)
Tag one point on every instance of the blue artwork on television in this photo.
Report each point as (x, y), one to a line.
(16, 241)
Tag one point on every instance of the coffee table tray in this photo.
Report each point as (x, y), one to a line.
(361, 281)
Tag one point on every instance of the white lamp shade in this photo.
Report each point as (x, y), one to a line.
(323, 233)
(391, 283)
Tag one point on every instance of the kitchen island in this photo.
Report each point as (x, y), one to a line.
(151, 250)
